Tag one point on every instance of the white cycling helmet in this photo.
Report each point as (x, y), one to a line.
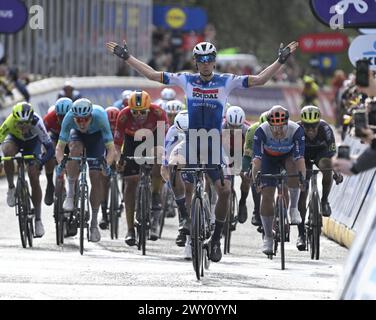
(126, 94)
(173, 106)
(235, 116)
(181, 121)
(168, 94)
(204, 48)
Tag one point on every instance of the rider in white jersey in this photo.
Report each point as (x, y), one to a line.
(207, 93)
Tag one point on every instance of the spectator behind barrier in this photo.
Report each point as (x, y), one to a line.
(367, 160)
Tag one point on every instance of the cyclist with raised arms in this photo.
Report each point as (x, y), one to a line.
(246, 167)
(207, 93)
(24, 129)
(140, 114)
(52, 120)
(278, 143)
(320, 147)
(86, 126)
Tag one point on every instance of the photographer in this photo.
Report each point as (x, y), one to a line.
(367, 160)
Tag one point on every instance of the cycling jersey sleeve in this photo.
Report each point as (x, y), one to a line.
(4, 128)
(330, 140)
(249, 138)
(258, 141)
(120, 128)
(46, 141)
(179, 79)
(235, 81)
(105, 128)
(66, 126)
(48, 121)
(299, 144)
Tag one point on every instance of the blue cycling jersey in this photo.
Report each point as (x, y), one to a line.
(99, 122)
(265, 143)
(206, 99)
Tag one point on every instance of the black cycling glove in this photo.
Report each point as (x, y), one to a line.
(283, 54)
(122, 52)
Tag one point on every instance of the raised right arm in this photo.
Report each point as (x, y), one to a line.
(138, 65)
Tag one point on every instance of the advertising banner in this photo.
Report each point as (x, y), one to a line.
(323, 43)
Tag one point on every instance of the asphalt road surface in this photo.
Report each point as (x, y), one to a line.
(112, 270)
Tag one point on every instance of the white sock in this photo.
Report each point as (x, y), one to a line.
(267, 223)
(71, 183)
(294, 197)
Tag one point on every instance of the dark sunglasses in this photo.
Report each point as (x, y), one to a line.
(139, 112)
(82, 119)
(207, 58)
(310, 125)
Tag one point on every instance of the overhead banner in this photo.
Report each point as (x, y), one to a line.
(364, 47)
(13, 16)
(339, 14)
(180, 18)
(323, 43)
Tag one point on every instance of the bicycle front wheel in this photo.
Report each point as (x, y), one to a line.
(22, 210)
(196, 215)
(316, 227)
(281, 210)
(114, 207)
(82, 218)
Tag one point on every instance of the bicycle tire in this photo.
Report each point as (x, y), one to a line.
(114, 207)
(30, 231)
(143, 203)
(195, 237)
(316, 227)
(281, 217)
(21, 213)
(206, 228)
(29, 215)
(82, 218)
(59, 218)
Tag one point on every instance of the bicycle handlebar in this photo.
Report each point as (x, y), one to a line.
(198, 170)
(61, 166)
(25, 157)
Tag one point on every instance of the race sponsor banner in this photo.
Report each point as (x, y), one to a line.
(13, 16)
(323, 43)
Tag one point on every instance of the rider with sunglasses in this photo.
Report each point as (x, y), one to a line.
(206, 93)
(24, 129)
(278, 143)
(86, 126)
(140, 114)
(320, 146)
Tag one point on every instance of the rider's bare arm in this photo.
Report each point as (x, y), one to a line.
(270, 71)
